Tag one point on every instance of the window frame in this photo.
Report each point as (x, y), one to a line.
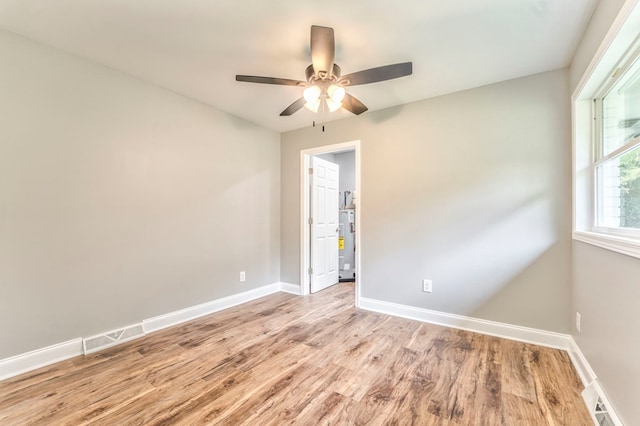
(628, 63)
(617, 54)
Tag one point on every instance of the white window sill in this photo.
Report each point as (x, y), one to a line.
(625, 245)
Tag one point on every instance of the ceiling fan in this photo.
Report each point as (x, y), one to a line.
(325, 85)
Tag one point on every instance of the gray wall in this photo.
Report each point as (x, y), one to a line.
(607, 295)
(471, 190)
(328, 157)
(606, 285)
(120, 201)
(347, 163)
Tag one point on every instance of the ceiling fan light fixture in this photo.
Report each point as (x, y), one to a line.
(336, 93)
(313, 106)
(333, 106)
(312, 94)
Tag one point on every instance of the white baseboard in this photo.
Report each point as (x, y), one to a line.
(177, 317)
(592, 388)
(26, 362)
(492, 328)
(565, 342)
(586, 373)
(290, 288)
(23, 363)
(42, 357)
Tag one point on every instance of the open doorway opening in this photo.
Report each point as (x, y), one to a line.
(326, 237)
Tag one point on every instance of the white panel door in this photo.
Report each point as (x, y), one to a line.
(324, 226)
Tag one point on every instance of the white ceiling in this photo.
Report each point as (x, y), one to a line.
(196, 47)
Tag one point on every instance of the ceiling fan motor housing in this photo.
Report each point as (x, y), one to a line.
(311, 75)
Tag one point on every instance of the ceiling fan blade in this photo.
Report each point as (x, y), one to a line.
(323, 49)
(373, 75)
(293, 107)
(352, 104)
(269, 80)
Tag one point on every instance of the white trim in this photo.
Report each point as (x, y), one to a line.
(491, 328)
(305, 209)
(612, 48)
(23, 363)
(177, 317)
(289, 288)
(592, 387)
(38, 358)
(619, 244)
(42, 357)
(305, 156)
(584, 370)
(623, 149)
(613, 51)
(507, 331)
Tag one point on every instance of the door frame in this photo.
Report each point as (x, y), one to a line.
(305, 230)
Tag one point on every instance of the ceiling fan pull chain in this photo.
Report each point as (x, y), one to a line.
(324, 114)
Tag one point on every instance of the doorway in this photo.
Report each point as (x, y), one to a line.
(305, 211)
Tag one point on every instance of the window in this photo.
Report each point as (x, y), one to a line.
(617, 159)
(606, 141)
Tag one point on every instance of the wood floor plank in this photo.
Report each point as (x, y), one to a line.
(553, 397)
(516, 371)
(387, 393)
(286, 359)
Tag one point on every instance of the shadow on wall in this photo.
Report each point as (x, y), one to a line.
(481, 264)
(472, 242)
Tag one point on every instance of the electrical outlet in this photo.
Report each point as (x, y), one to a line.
(243, 276)
(578, 319)
(427, 286)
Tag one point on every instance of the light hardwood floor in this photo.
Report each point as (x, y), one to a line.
(287, 359)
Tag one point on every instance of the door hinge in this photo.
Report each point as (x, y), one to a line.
(310, 170)
(310, 221)
(310, 271)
